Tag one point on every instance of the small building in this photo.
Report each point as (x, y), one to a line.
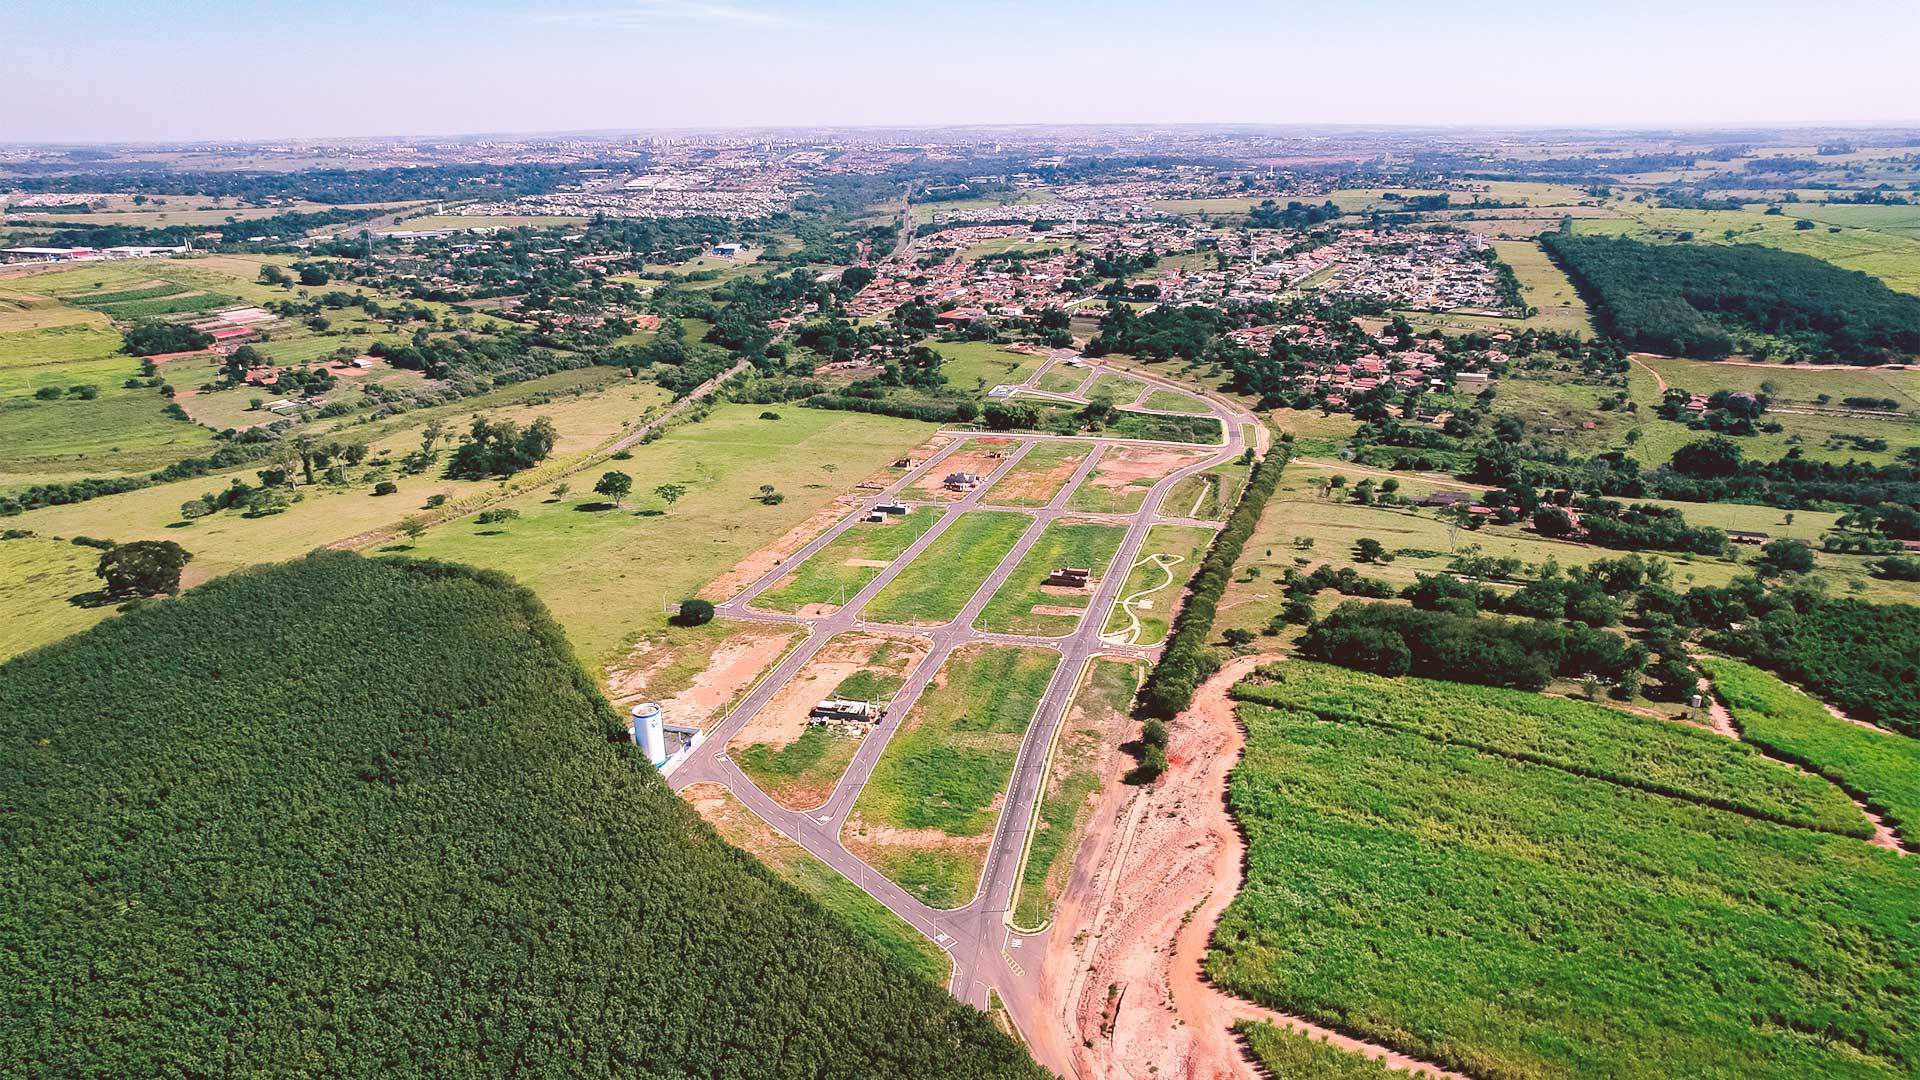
(891, 508)
(962, 481)
(1746, 536)
(1447, 499)
(844, 711)
(1069, 577)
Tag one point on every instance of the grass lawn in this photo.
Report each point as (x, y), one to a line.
(934, 587)
(1151, 596)
(1040, 475)
(1174, 401)
(979, 365)
(37, 576)
(1013, 610)
(843, 567)
(1880, 767)
(926, 816)
(1121, 389)
(1062, 380)
(1082, 751)
(866, 916)
(1510, 918)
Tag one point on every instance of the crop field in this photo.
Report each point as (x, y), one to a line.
(1506, 917)
(1027, 605)
(1083, 753)
(869, 918)
(1040, 475)
(934, 587)
(1174, 401)
(1881, 767)
(844, 566)
(1546, 288)
(1283, 1052)
(1148, 601)
(926, 816)
(979, 365)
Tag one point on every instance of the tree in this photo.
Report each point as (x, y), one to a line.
(559, 490)
(1784, 557)
(669, 493)
(431, 434)
(413, 527)
(385, 487)
(614, 485)
(694, 612)
(143, 568)
(770, 496)
(1370, 550)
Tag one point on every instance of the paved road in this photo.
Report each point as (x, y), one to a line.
(987, 954)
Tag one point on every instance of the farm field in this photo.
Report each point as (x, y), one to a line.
(1546, 288)
(1084, 751)
(934, 587)
(1506, 917)
(1027, 605)
(1879, 766)
(865, 916)
(1286, 1053)
(1040, 475)
(926, 815)
(1151, 596)
(979, 365)
(843, 567)
(1890, 256)
(797, 763)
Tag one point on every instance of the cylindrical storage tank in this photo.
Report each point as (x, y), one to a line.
(647, 732)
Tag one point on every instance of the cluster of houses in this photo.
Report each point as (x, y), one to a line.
(1424, 270)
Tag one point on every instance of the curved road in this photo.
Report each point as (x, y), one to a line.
(987, 954)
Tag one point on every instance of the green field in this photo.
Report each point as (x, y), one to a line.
(1121, 389)
(980, 365)
(934, 587)
(1292, 1055)
(1082, 748)
(926, 816)
(1209, 495)
(1174, 401)
(1040, 475)
(1889, 254)
(1062, 380)
(816, 758)
(1506, 917)
(1546, 288)
(842, 568)
(1145, 608)
(1061, 544)
(1880, 767)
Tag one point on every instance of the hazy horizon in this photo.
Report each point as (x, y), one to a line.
(177, 71)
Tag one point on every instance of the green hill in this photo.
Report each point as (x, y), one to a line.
(342, 817)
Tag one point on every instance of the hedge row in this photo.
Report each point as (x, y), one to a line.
(958, 412)
(1187, 661)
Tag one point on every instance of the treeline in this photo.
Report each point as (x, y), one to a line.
(1267, 214)
(1522, 654)
(60, 493)
(1188, 660)
(457, 863)
(289, 226)
(1863, 657)
(1678, 298)
(331, 186)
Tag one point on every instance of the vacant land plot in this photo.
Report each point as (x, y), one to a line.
(1083, 753)
(1118, 388)
(1120, 482)
(1879, 767)
(695, 672)
(1209, 495)
(1175, 401)
(868, 917)
(1062, 380)
(798, 763)
(935, 586)
(979, 365)
(1507, 917)
(1040, 474)
(1151, 596)
(926, 816)
(1546, 289)
(841, 569)
(1026, 604)
(977, 456)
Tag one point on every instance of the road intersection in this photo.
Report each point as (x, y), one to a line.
(987, 953)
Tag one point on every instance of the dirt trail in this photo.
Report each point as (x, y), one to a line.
(1125, 970)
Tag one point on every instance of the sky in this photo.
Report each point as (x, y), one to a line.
(167, 70)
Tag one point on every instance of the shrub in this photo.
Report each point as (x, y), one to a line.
(694, 612)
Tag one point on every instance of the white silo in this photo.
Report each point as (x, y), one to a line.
(648, 734)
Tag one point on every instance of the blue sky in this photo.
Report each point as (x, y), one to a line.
(170, 69)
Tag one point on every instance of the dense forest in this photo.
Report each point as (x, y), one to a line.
(1690, 299)
(342, 817)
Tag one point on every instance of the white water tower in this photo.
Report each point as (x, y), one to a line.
(648, 735)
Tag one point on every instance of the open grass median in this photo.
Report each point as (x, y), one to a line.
(927, 814)
(937, 585)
